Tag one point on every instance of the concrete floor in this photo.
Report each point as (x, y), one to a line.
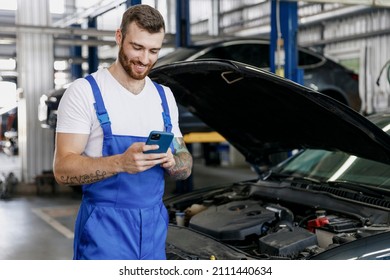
(40, 227)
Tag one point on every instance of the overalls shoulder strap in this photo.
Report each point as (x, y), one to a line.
(165, 114)
(101, 114)
(104, 119)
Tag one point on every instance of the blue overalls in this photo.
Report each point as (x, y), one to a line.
(122, 217)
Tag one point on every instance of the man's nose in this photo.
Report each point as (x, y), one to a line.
(144, 57)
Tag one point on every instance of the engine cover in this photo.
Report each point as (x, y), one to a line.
(232, 221)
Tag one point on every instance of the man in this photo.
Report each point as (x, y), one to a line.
(103, 122)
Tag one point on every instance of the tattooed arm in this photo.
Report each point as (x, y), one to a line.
(182, 161)
(71, 167)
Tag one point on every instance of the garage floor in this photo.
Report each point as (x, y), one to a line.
(40, 227)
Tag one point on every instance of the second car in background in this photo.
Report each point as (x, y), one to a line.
(320, 73)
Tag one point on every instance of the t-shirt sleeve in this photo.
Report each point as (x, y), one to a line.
(75, 110)
(173, 111)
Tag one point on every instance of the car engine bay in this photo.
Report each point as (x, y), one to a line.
(273, 220)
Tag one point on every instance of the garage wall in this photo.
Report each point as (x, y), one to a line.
(362, 40)
(35, 68)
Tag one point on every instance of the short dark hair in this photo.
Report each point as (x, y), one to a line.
(145, 16)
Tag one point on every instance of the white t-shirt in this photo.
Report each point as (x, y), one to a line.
(130, 114)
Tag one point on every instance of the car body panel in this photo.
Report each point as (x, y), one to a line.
(374, 247)
(260, 113)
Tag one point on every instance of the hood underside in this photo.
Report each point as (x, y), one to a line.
(260, 113)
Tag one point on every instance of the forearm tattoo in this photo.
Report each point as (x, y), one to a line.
(183, 167)
(84, 179)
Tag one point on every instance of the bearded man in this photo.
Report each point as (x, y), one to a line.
(102, 124)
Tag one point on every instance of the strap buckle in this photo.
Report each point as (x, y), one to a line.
(167, 122)
(103, 118)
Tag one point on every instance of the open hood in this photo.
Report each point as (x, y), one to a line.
(260, 113)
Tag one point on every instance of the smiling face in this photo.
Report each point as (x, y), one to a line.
(138, 50)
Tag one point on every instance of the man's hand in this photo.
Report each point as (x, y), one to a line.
(134, 160)
(179, 165)
(170, 160)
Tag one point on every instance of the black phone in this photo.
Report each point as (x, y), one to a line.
(161, 138)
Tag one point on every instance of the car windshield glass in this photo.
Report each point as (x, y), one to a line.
(253, 54)
(325, 166)
(178, 55)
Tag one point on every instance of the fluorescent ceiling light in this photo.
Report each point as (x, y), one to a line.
(343, 168)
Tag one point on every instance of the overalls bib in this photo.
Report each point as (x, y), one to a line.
(122, 217)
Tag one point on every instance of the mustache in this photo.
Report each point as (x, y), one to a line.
(139, 63)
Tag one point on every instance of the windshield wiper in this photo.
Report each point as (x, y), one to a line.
(290, 177)
(361, 188)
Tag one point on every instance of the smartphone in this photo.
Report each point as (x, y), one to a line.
(161, 138)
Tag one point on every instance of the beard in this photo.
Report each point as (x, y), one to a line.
(127, 65)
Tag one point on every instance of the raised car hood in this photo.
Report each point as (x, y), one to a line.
(260, 113)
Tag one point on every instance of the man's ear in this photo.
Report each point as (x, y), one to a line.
(118, 37)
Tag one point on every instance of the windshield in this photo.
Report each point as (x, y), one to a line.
(178, 54)
(325, 166)
(330, 166)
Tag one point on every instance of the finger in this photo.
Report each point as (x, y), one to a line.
(152, 156)
(168, 164)
(146, 148)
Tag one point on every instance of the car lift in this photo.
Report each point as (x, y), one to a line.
(283, 48)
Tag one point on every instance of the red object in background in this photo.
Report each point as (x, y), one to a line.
(317, 223)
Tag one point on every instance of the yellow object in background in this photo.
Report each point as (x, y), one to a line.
(280, 72)
(203, 137)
